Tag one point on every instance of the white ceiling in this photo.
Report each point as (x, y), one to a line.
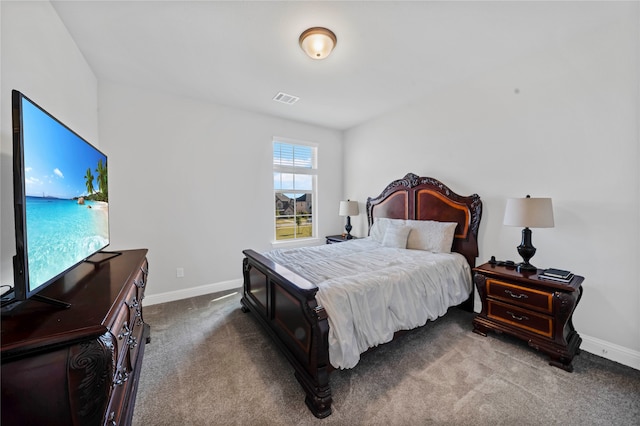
(241, 53)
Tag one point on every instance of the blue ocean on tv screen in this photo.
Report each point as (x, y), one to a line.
(61, 233)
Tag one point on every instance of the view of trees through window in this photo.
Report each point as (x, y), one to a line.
(294, 183)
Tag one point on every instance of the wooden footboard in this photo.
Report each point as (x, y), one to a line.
(285, 304)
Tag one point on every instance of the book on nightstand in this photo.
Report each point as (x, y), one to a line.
(557, 275)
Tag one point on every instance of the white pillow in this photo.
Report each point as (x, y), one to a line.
(380, 226)
(396, 236)
(431, 235)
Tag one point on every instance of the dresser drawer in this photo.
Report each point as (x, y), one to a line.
(140, 280)
(526, 297)
(521, 318)
(117, 401)
(136, 339)
(121, 330)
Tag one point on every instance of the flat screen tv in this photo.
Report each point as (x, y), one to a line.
(61, 197)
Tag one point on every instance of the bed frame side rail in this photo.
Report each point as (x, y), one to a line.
(285, 304)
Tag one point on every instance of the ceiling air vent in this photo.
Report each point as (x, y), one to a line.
(286, 99)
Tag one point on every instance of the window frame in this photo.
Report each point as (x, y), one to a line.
(308, 171)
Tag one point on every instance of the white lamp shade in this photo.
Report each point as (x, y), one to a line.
(529, 212)
(318, 42)
(349, 208)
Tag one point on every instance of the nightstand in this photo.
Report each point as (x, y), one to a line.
(530, 308)
(332, 239)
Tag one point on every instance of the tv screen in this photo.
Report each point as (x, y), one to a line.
(60, 198)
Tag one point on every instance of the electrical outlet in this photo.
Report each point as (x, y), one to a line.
(179, 272)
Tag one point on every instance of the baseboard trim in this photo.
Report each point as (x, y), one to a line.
(611, 351)
(185, 293)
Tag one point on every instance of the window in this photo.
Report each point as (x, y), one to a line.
(294, 186)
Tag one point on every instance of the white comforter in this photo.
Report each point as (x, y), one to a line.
(370, 291)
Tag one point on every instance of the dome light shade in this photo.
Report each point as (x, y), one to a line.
(318, 42)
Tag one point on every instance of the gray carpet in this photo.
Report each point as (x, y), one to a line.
(208, 363)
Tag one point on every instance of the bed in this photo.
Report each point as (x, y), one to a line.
(291, 297)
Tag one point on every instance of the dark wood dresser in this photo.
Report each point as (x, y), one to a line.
(530, 308)
(81, 365)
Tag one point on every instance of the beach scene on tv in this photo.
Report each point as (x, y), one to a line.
(67, 196)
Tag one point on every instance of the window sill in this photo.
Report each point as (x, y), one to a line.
(297, 243)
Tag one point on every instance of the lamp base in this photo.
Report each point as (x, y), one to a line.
(526, 267)
(526, 250)
(348, 228)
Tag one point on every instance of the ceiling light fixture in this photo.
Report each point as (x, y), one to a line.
(318, 42)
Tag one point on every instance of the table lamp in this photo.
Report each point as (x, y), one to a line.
(348, 208)
(530, 213)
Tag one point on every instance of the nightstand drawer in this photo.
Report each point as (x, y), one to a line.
(526, 297)
(521, 318)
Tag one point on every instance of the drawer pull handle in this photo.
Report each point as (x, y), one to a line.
(516, 296)
(138, 316)
(139, 284)
(519, 318)
(126, 331)
(134, 303)
(121, 377)
(111, 418)
(132, 342)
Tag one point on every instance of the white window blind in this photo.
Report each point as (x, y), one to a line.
(293, 158)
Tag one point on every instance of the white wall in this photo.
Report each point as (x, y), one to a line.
(193, 183)
(40, 59)
(561, 122)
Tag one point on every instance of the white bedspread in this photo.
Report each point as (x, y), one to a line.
(370, 291)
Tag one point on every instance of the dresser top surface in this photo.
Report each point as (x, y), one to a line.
(92, 291)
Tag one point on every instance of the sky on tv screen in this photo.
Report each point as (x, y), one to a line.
(55, 159)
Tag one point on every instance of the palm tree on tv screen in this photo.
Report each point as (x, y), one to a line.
(102, 177)
(89, 182)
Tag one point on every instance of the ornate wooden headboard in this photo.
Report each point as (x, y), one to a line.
(424, 198)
